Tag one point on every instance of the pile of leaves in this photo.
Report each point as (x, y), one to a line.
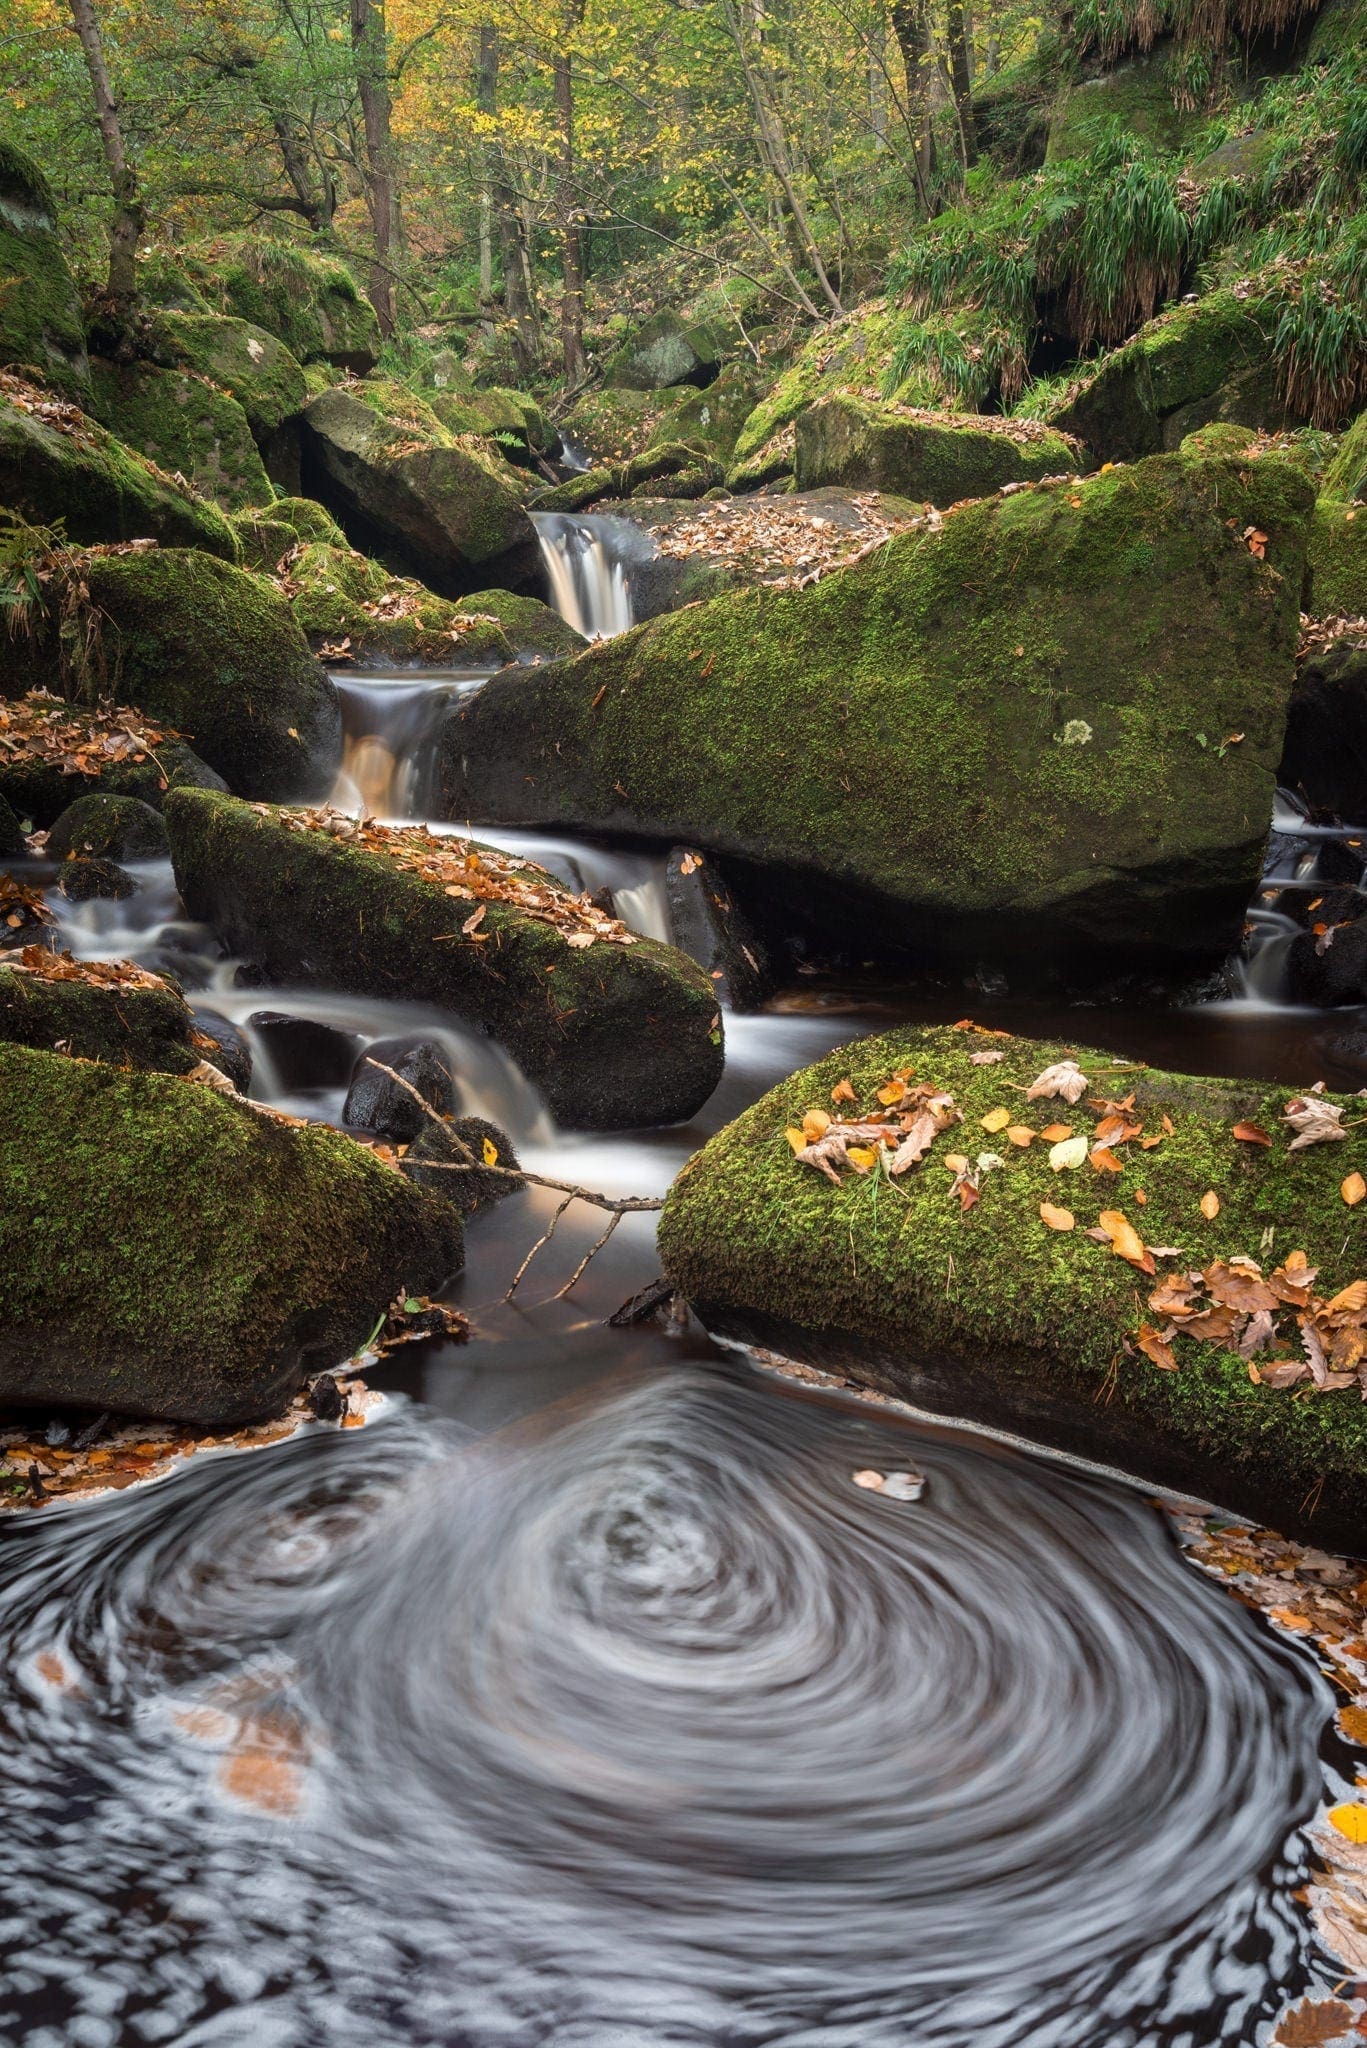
(35, 399)
(41, 727)
(22, 910)
(470, 873)
(47, 966)
(1231, 1304)
(784, 544)
(1318, 635)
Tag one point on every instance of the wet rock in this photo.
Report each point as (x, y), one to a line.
(145, 1025)
(13, 844)
(228, 1047)
(858, 734)
(86, 881)
(111, 828)
(709, 925)
(375, 1103)
(440, 1148)
(1325, 755)
(1031, 1337)
(1326, 970)
(930, 457)
(171, 1252)
(40, 312)
(614, 1035)
(304, 1052)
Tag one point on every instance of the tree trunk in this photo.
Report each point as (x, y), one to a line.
(370, 44)
(571, 237)
(911, 26)
(127, 221)
(957, 35)
(774, 152)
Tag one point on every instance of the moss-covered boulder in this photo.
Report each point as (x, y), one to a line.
(40, 309)
(1012, 734)
(52, 752)
(924, 455)
(247, 363)
(613, 426)
(438, 1160)
(350, 607)
(171, 1252)
(305, 297)
(185, 425)
(58, 467)
(613, 1034)
(405, 487)
(985, 1312)
(1140, 95)
(1011, 109)
(1210, 360)
(530, 629)
(853, 357)
(105, 1010)
(109, 827)
(1346, 476)
(665, 350)
(268, 532)
(1336, 586)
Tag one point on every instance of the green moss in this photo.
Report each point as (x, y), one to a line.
(173, 1253)
(332, 586)
(110, 827)
(988, 1314)
(1346, 476)
(40, 308)
(183, 423)
(852, 356)
(310, 300)
(1011, 108)
(665, 350)
(893, 728)
(533, 631)
(76, 476)
(1337, 570)
(146, 1028)
(614, 1035)
(615, 426)
(39, 790)
(245, 362)
(1137, 95)
(936, 460)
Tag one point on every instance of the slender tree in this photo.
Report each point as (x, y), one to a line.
(370, 44)
(126, 221)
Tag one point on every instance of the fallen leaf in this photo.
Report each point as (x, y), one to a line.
(843, 1091)
(1315, 1121)
(1351, 1820)
(996, 1120)
(490, 1152)
(1064, 1079)
(1314, 2023)
(1353, 1724)
(1353, 1189)
(1069, 1153)
(1104, 1160)
(1155, 1347)
(1057, 1219)
(956, 1162)
(1126, 1242)
(816, 1123)
(892, 1094)
(797, 1139)
(1237, 1289)
(1056, 1132)
(1251, 1134)
(1210, 1205)
(871, 1481)
(1021, 1134)
(1353, 1297)
(860, 1157)
(985, 1059)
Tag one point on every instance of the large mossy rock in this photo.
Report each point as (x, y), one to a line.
(615, 426)
(989, 1315)
(40, 309)
(405, 487)
(134, 1020)
(349, 606)
(169, 1252)
(184, 424)
(1210, 360)
(666, 350)
(60, 468)
(854, 357)
(54, 753)
(306, 298)
(1336, 586)
(108, 827)
(248, 363)
(1007, 735)
(1137, 96)
(614, 1035)
(936, 458)
(1346, 476)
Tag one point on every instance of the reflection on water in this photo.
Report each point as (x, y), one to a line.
(635, 1722)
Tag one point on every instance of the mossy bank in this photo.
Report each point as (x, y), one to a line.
(990, 1315)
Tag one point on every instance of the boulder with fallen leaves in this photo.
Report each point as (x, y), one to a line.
(1043, 1259)
(938, 457)
(53, 752)
(615, 1030)
(171, 1251)
(93, 1009)
(343, 599)
(984, 737)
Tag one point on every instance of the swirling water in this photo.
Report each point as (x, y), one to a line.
(634, 1722)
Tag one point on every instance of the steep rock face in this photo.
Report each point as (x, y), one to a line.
(436, 507)
(173, 1253)
(1346, 476)
(182, 423)
(309, 300)
(934, 457)
(1325, 758)
(59, 467)
(40, 309)
(1336, 583)
(614, 1035)
(995, 736)
(252, 366)
(1031, 1334)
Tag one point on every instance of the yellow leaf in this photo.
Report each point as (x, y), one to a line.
(1353, 1189)
(956, 1162)
(1350, 1820)
(816, 1123)
(1126, 1242)
(797, 1139)
(861, 1158)
(1021, 1134)
(490, 1152)
(891, 1094)
(1057, 1219)
(1210, 1205)
(996, 1119)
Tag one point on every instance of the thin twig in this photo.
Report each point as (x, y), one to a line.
(590, 1254)
(545, 1238)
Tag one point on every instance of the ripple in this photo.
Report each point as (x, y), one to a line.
(640, 1723)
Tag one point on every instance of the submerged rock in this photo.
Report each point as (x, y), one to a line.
(305, 1052)
(1010, 736)
(986, 1312)
(614, 1034)
(110, 827)
(439, 1157)
(172, 1252)
(88, 881)
(1329, 968)
(40, 309)
(375, 1103)
(935, 457)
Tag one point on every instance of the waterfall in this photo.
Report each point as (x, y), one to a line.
(585, 561)
(389, 725)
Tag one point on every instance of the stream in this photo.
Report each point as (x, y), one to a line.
(581, 1700)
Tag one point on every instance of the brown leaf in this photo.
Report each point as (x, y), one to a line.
(1353, 1298)
(1237, 1289)
(1251, 1134)
(1155, 1347)
(1104, 1160)
(1213, 1325)
(1054, 1134)
(1064, 1079)
(1057, 1219)
(1314, 2022)
(1353, 1189)
(1315, 1121)
(1126, 1242)
(843, 1091)
(1210, 1205)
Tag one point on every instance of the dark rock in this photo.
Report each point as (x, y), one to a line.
(708, 924)
(375, 1103)
(230, 1049)
(325, 1399)
(83, 881)
(111, 828)
(440, 1147)
(13, 845)
(1325, 754)
(304, 1052)
(169, 1252)
(1329, 974)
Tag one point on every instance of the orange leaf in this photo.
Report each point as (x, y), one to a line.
(1020, 1134)
(1210, 1205)
(1126, 1242)
(1057, 1219)
(968, 1194)
(956, 1162)
(1054, 1134)
(1104, 1160)
(891, 1094)
(1353, 1189)
(843, 1091)
(1353, 1297)
(1251, 1134)
(1155, 1347)
(816, 1123)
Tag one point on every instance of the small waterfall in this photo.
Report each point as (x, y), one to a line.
(390, 723)
(586, 561)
